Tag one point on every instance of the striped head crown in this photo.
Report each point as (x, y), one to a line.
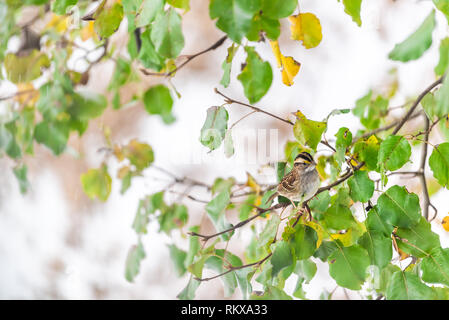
(304, 158)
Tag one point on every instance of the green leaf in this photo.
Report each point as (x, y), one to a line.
(228, 144)
(271, 293)
(429, 105)
(234, 16)
(20, 172)
(339, 217)
(25, 68)
(87, 105)
(419, 239)
(443, 63)
(347, 265)
(417, 43)
(54, 135)
(216, 212)
(60, 6)
(130, 8)
(148, 12)
(147, 206)
(178, 257)
(214, 128)
(181, 4)
(308, 132)
(277, 9)
(443, 6)
(378, 246)
(173, 217)
(398, 207)
(261, 23)
(408, 286)
(158, 100)
(256, 76)
(109, 19)
(361, 188)
(320, 202)
(352, 8)
(97, 183)
(394, 152)
(435, 266)
(303, 241)
(216, 263)
(148, 55)
(135, 255)
(8, 141)
(227, 64)
(361, 104)
(344, 140)
(306, 270)
(282, 257)
(367, 150)
(166, 34)
(269, 232)
(375, 223)
(442, 97)
(188, 293)
(439, 163)
(325, 250)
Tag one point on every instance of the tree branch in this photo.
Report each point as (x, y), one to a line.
(240, 224)
(189, 58)
(232, 268)
(422, 168)
(415, 104)
(230, 100)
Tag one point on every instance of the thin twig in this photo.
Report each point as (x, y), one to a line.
(232, 268)
(230, 100)
(422, 168)
(240, 224)
(385, 128)
(415, 104)
(189, 58)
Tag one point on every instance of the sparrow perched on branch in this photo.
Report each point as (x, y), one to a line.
(301, 183)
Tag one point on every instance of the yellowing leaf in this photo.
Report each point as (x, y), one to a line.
(88, 31)
(252, 183)
(445, 223)
(345, 238)
(306, 27)
(319, 231)
(59, 23)
(289, 66)
(27, 94)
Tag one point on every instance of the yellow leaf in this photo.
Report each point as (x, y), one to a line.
(59, 23)
(123, 171)
(88, 31)
(445, 223)
(345, 238)
(306, 27)
(27, 94)
(251, 182)
(289, 66)
(319, 231)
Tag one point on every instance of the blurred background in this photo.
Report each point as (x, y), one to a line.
(56, 243)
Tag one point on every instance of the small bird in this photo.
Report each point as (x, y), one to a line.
(302, 182)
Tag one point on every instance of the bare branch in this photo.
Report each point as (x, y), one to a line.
(232, 268)
(189, 58)
(230, 100)
(415, 104)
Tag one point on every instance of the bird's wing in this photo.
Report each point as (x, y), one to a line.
(289, 183)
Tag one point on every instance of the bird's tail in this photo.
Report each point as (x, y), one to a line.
(271, 198)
